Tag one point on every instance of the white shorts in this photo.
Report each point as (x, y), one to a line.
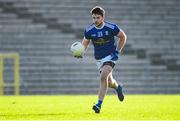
(100, 62)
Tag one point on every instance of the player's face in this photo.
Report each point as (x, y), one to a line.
(97, 19)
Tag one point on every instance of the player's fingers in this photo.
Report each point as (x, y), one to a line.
(78, 56)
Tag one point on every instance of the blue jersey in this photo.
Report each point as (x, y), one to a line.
(102, 38)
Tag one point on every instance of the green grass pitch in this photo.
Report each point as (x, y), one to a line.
(79, 107)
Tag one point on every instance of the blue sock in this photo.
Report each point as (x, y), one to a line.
(99, 103)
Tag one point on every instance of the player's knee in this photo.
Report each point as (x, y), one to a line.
(109, 79)
(110, 82)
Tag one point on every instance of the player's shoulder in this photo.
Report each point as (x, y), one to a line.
(90, 27)
(110, 25)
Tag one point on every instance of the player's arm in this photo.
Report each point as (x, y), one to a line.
(121, 40)
(86, 43)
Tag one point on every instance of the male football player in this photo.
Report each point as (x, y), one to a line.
(106, 51)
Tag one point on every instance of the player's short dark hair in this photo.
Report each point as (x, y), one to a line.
(98, 10)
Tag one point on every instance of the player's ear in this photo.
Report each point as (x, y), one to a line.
(103, 16)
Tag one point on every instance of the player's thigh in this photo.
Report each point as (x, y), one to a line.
(105, 72)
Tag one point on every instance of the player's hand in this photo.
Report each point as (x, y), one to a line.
(79, 56)
(115, 56)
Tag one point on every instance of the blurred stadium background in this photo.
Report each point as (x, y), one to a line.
(41, 32)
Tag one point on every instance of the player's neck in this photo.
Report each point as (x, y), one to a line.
(100, 26)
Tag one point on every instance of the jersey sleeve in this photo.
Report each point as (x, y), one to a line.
(116, 30)
(87, 35)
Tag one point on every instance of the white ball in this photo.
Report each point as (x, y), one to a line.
(77, 49)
